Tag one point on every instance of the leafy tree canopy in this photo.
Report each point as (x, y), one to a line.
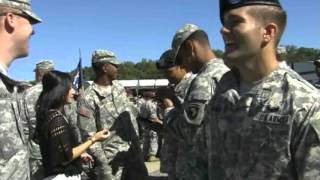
(146, 68)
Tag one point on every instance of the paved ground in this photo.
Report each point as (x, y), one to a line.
(154, 171)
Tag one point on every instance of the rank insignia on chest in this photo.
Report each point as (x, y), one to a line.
(84, 112)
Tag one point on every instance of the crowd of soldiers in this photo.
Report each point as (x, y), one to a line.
(246, 116)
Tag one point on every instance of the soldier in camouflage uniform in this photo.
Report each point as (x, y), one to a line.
(70, 111)
(317, 70)
(264, 120)
(30, 98)
(180, 77)
(148, 112)
(192, 48)
(105, 105)
(15, 31)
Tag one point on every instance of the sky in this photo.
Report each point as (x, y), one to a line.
(136, 29)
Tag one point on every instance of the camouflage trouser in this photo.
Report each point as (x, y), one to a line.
(168, 156)
(150, 143)
(36, 169)
(104, 170)
(88, 171)
(16, 168)
(186, 168)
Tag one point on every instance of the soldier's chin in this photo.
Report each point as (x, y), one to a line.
(227, 58)
(115, 77)
(230, 61)
(22, 55)
(230, 56)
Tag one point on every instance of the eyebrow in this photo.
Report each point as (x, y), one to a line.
(234, 16)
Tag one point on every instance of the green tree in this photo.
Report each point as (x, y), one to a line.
(299, 54)
(218, 52)
(146, 68)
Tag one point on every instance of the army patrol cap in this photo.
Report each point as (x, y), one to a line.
(107, 56)
(181, 35)
(166, 60)
(226, 5)
(45, 65)
(24, 6)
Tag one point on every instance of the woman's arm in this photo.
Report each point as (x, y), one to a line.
(60, 137)
(99, 136)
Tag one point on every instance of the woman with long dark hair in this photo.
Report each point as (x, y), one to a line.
(61, 154)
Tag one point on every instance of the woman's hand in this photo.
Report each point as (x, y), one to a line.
(100, 136)
(86, 157)
(79, 151)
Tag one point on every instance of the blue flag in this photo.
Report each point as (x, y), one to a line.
(78, 78)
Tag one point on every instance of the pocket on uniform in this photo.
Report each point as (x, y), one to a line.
(6, 152)
(265, 143)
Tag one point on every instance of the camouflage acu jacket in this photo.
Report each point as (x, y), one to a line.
(188, 124)
(182, 87)
(29, 101)
(14, 157)
(269, 132)
(200, 91)
(103, 108)
(170, 145)
(30, 98)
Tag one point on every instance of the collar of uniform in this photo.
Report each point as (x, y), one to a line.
(263, 83)
(3, 69)
(276, 75)
(188, 75)
(102, 90)
(204, 66)
(211, 61)
(185, 77)
(10, 84)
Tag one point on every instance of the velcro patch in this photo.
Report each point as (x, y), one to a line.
(272, 118)
(192, 111)
(84, 112)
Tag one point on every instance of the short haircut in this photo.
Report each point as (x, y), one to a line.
(200, 36)
(270, 14)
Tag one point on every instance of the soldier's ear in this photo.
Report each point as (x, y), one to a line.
(189, 47)
(10, 22)
(270, 32)
(104, 68)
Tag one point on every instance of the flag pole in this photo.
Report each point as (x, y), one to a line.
(80, 72)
